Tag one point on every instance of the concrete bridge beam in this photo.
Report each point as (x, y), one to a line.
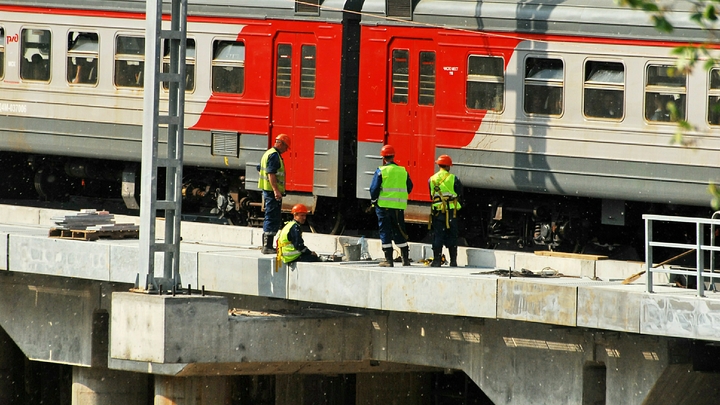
(97, 386)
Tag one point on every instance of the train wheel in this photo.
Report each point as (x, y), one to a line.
(50, 186)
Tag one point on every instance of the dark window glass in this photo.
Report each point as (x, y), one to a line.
(35, 51)
(426, 79)
(544, 86)
(714, 97)
(604, 90)
(664, 90)
(307, 71)
(82, 58)
(129, 61)
(189, 63)
(400, 76)
(485, 83)
(2, 53)
(228, 67)
(283, 75)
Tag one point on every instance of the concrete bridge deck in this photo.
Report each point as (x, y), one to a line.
(62, 301)
(223, 259)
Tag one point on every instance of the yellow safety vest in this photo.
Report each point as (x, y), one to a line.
(286, 250)
(443, 191)
(264, 180)
(393, 192)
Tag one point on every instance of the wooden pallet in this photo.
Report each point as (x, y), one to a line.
(93, 235)
(570, 255)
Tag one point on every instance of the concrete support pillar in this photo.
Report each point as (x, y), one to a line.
(192, 390)
(394, 388)
(93, 386)
(289, 389)
(10, 380)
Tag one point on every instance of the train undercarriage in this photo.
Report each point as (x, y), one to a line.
(489, 219)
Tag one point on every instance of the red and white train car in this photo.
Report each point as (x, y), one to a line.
(71, 91)
(556, 115)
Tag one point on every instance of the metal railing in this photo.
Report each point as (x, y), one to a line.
(700, 272)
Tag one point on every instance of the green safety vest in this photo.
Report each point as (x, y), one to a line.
(264, 181)
(286, 250)
(393, 192)
(443, 191)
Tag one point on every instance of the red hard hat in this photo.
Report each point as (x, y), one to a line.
(444, 160)
(387, 150)
(299, 209)
(284, 138)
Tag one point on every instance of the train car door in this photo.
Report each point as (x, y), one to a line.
(293, 105)
(411, 109)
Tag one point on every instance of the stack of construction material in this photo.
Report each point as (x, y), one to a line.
(90, 224)
(92, 220)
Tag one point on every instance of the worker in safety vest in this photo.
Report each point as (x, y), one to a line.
(389, 192)
(445, 189)
(291, 247)
(272, 184)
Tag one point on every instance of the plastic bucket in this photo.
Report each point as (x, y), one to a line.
(352, 252)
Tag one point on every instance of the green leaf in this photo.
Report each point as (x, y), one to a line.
(650, 7)
(710, 13)
(662, 24)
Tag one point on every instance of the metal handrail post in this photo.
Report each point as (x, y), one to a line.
(648, 254)
(700, 260)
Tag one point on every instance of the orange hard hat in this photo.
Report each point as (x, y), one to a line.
(284, 138)
(444, 160)
(299, 209)
(387, 150)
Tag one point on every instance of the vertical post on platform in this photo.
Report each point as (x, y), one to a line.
(172, 157)
(648, 255)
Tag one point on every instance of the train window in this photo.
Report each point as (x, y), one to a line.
(400, 8)
(82, 58)
(485, 83)
(307, 7)
(189, 63)
(664, 88)
(35, 51)
(604, 90)
(400, 76)
(307, 69)
(543, 86)
(283, 75)
(426, 91)
(713, 116)
(129, 61)
(228, 67)
(2, 53)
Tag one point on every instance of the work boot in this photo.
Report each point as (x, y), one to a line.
(268, 248)
(388, 262)
(453, 256)
(405, 254)
(437, 258)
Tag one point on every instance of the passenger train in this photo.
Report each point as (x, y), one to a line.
(555, 113)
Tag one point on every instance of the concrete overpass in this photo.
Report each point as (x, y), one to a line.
(579, 338)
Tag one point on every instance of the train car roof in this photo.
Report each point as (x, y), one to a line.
(597, 18)
(330, 10)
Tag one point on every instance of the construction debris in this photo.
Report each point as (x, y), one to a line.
(89, 224)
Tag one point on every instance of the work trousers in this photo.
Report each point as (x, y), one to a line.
(442, 235)
(273, 218)
(392, 227)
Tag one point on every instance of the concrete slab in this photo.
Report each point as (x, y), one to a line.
(4, 236)
(339, 284)
(437, 293)
(673, 313)
(245, 272)
(492, 259)
(58, 257)
(612, 308)
(564, 265)
(537, 300)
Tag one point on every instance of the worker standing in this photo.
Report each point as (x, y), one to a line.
(291, 247)
(445, 189)
(389, 192)
(272, 184)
